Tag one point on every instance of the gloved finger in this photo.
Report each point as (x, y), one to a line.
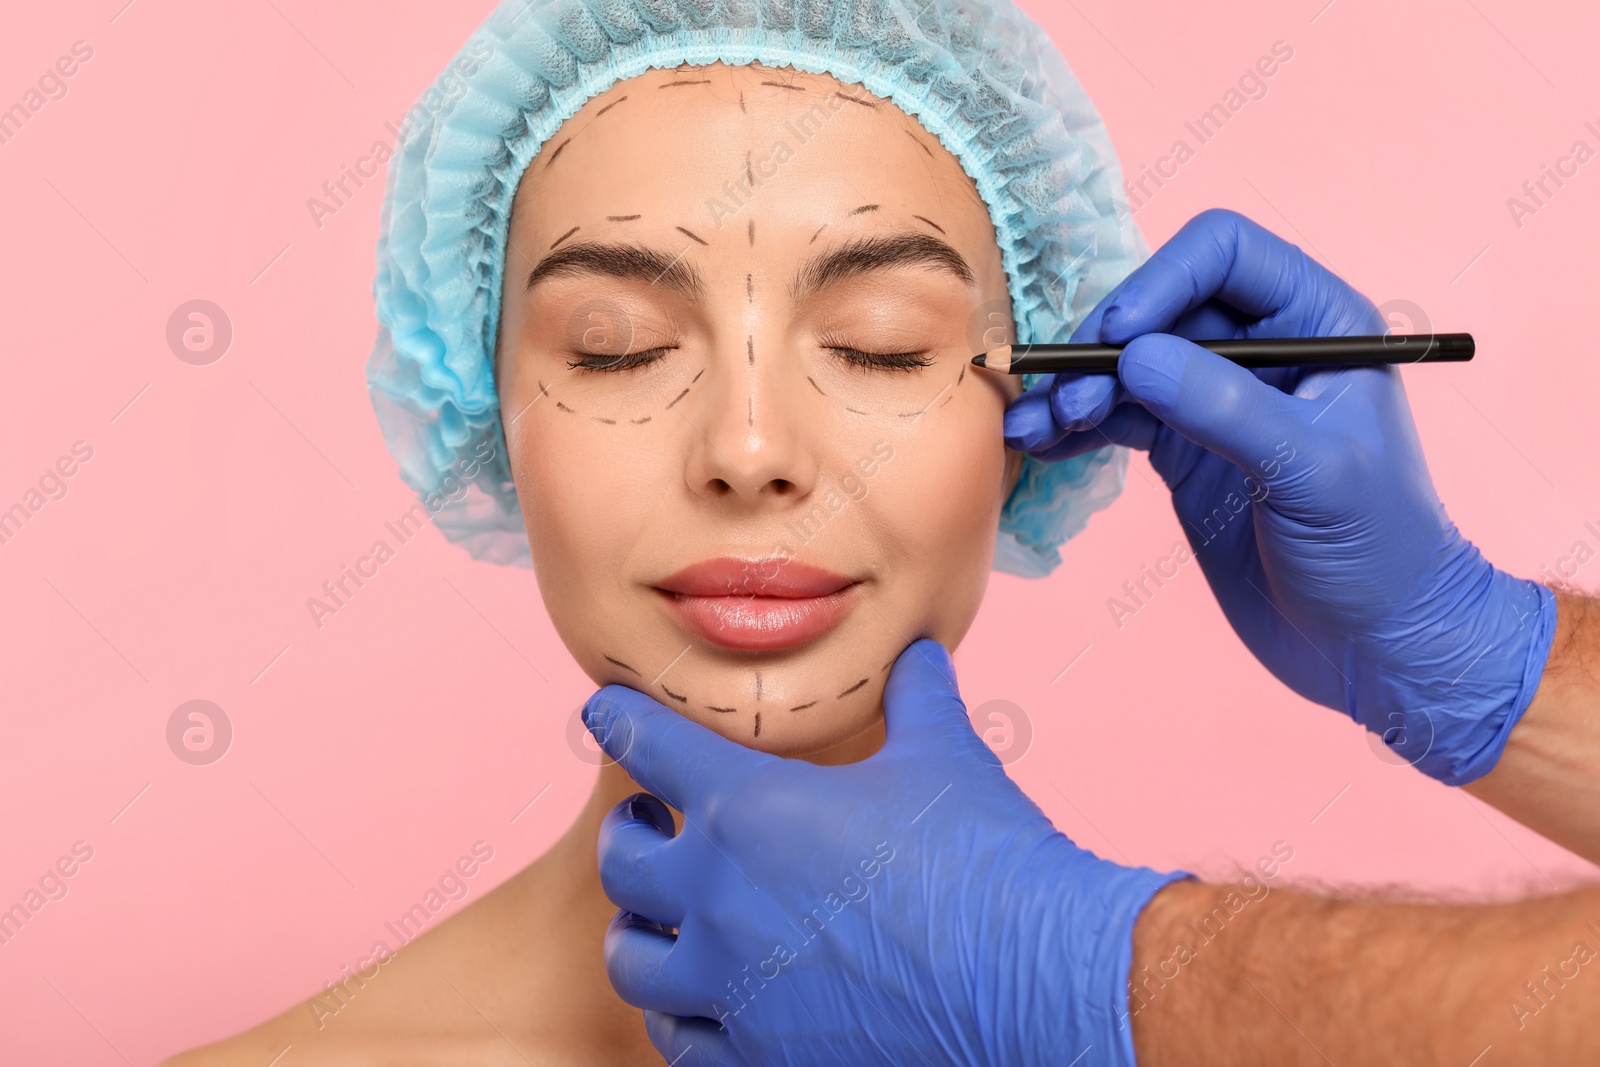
(1079, 401)
(1130, 425)
(631, 861)
(678, 760)
(921, 704)
(1029, 425)
(690, 1041)
(1217, 254)
(1030, 421)
(638, 954)
(1213, 402)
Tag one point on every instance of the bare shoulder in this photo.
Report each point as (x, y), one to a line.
(498, 982)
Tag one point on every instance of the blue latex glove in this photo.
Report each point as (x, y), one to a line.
(912, 908)
(1305, 496)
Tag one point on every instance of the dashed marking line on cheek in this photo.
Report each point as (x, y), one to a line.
(962, 376)
(692, 236)
(886, 666)
(929, 221)
(852, 689)
(758, 724)
(608, 107)
(697, 374)
(847, 407)
(749, 170)
(803, 707)
(675, 399)
(602, 418)
(562, 407)
(624, 666)
(641, 422)
(564, 236)
(814, 385)
(675, 696)
(741, 100)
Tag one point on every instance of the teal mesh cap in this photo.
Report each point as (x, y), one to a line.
(977, 74)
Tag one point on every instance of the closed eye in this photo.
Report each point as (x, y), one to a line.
(607, 362)
(897, 361)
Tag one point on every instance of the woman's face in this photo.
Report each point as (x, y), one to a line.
(753, 458)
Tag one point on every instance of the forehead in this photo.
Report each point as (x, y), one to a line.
(716, 145)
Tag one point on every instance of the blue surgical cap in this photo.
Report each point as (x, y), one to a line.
(977, 74)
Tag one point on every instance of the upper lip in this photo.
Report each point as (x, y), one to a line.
(771, 577)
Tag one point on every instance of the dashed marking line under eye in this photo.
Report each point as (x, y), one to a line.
(675, 399)
(962, 375)
(750, 347)
(814, 385)
(602, 418)
(697, 374)
(641, 422)
(854, 411)
(562, 407)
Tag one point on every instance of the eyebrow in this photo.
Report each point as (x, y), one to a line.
(870, 254)
(626, 261)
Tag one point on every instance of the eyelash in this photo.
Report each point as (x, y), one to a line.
(890, 361)
(602, 363)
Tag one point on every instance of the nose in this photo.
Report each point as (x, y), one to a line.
(753, 441)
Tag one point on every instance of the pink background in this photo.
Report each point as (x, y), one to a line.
(369, 755)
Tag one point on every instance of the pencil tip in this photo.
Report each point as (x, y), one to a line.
(981, 359)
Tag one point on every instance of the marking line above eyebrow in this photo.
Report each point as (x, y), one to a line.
(564, 236)
(930, 222)
(870, 254)
(692, 236)
(624, 261)
(622, 218)
(864, 208)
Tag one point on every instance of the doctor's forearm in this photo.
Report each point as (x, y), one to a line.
(1549, 775)
(1290, 978)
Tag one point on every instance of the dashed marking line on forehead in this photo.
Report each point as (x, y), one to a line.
(814, 385)
(784, 85)
(852, 689)
(562, 147)
(750, 288)
(609, 106)
(680, 84)
(856, 100)
(750, 416)
(741, 102)
(752, 233)
(624, 666)
(749, 169)
(564, 236)
(864, 209)
(750, 348)
(692, 236)
(623, 218)
(918, 142)
(930, 222)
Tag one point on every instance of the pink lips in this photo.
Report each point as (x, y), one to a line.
(758, 604)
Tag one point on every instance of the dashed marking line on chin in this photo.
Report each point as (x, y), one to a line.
(675, 696)
(624, 666)
(721, 711)
(852, 689)
(815, 386)
(758, 724)
(803, 707)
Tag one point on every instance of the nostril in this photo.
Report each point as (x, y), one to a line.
(782, 486)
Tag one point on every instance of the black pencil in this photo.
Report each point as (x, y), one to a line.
(1254, 353)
